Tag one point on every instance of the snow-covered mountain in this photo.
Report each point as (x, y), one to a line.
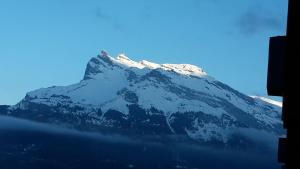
(149, 98)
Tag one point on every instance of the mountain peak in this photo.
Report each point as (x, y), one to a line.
(122, 56)
(186, 69)
(103, 53)
(103, 61)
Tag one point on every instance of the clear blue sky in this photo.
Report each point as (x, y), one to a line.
(48, 42)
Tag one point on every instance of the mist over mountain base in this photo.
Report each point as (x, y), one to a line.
(30, 145)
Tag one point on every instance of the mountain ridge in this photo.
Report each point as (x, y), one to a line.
(147, 97)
